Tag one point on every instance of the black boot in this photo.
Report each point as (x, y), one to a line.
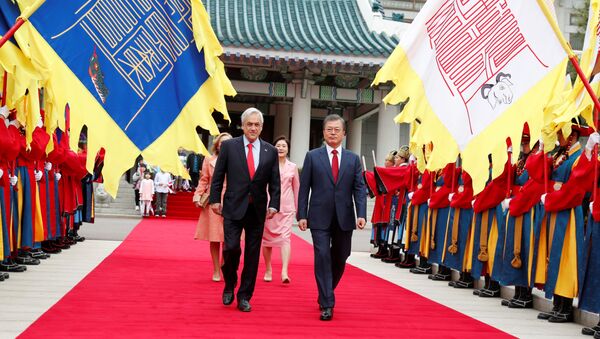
(556, 305)
(506, 302)
(382, 252)
(486, 284)
(565, 314)
(408, 262)
(465, 281)
(423, 268)
(492, 291)
(525, 299)
(591, 330)
(443, 274)
(393, 255)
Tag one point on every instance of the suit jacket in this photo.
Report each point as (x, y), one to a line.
(329, 199)
(240, 189)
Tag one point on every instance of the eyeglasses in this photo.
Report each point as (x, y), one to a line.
(333, 130)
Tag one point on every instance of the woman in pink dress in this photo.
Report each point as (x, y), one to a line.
(278, 230)
(210, 224)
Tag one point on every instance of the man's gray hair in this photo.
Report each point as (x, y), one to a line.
(334, 117)
(250, 111)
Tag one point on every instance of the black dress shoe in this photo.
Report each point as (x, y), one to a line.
(597, 335)
(441, 277)
(406, 264)
(590, 330)
(26, 260)
(391, 260)
(5, 275)
(421, 270)
(78, 238)
(560, 317)
(521, 303)
(485, 293)
(476, 292)
(326, 314)
(244, 306)
(544, 315)
(12, 268)
(227, 297)
(506, 302)
(463, 284)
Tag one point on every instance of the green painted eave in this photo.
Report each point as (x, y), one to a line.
(317, 26)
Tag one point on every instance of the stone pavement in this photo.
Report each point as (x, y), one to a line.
(24, 299)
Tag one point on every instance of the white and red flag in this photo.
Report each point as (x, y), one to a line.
(475, 71)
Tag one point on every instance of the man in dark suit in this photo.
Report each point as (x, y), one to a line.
(333, 176)
(250, 166)
(194, 164)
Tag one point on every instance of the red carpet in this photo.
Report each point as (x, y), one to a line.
(180, 206)
(157, 284)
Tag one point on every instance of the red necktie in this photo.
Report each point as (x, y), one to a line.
(250, 160)
(335, 167)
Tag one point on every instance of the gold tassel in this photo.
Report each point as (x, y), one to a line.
(516, 262)
(454, 247)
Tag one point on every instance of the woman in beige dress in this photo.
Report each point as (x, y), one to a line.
(278, 230)
(210, 224)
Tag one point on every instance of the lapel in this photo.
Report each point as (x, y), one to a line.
(343, 164)
(325, 159)
(242, 155)
(263, 151)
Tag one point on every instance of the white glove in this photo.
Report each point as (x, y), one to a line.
(48, 166)
(504, 204)
(13, 180)
(38, 175)
(412, 159)
(450, 196)
(541, 145)
(473, 203)
(57, 176)
(591, 206)
(4, 112)
(40, 123)
(509, 149)
(543, 199)
(593, 140)
(428, 200)
(1, 173)
(15, 123)
(410, 194)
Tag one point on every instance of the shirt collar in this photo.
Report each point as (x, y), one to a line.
(329, 149)
(255, 144)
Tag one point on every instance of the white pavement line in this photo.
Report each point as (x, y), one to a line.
(26, 296)
(520, 323)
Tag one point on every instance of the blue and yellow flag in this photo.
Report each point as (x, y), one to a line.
(140, 74)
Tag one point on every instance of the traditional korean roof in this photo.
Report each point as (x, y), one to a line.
(333, 27)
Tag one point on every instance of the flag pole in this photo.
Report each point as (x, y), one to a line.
(4, 84)
(583, 77)
(25, 14)
(572, 57)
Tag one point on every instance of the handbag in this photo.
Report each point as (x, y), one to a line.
(203, 201)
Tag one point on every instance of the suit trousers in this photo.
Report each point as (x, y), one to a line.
(332, 248)
(232, 251)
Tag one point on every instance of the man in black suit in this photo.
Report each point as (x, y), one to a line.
(250, 166)
(333, 177)
(194, 165)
